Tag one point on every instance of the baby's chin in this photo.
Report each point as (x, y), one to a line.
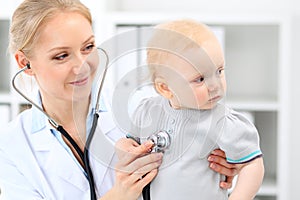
(207, 106)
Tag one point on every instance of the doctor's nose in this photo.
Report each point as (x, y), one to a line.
(78, 63)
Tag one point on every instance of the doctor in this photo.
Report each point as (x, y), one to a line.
(54, 38)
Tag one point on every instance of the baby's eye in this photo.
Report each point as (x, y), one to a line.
(220, 71)
(198, 80)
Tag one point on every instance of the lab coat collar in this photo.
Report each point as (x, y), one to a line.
(55, 160)
(38, 118)
(101, 153)
(49, 151)
(106, 122)
(64, 167)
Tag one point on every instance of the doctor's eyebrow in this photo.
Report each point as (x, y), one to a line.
(90, 39)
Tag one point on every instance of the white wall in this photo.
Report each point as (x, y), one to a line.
(6, 9)
(214, 6)
(295, 108)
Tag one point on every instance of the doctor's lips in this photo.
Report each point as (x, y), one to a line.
(80, 82)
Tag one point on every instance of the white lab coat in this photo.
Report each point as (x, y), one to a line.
(34, 165)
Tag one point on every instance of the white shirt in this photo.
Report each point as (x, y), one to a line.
(184, 172)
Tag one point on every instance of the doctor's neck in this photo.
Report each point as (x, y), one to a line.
(69, 114)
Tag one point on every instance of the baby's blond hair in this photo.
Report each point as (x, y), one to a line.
(173, 38)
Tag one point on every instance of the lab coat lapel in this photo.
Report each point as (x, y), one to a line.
(24, 152)
(53, 158)
(58, 165)
(57, 162)
(102, 147)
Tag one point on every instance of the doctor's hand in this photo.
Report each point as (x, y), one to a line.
(218, 163)
(136, 167)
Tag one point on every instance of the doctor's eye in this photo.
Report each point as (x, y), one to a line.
(61, 56)
(89, 48)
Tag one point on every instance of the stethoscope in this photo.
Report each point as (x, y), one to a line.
(84, 156)
(161, 142)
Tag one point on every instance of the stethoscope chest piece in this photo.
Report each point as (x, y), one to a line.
(161, 140)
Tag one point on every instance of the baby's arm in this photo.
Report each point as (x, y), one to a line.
(249, 180)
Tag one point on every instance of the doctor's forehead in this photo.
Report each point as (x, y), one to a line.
(70, 29)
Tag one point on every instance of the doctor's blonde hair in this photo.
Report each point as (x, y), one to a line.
(32, 14)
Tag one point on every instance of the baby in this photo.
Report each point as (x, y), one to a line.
(186, 62)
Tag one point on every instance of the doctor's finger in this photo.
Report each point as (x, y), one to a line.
(143, 175)
(143, 171)
(218, 152)
(147, 178)
(133, 184)
(144, 148)
(136, 152)
(124, 146)
(143, 163)
(227, 184)
(126, 177)
(139, 163)
(223, 169)
(218, 156)
(221, 163)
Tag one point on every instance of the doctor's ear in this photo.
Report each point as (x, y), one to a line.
(23, 62)
(162, 88)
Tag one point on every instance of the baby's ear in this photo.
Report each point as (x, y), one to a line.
(22, 62)
(162, 88)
